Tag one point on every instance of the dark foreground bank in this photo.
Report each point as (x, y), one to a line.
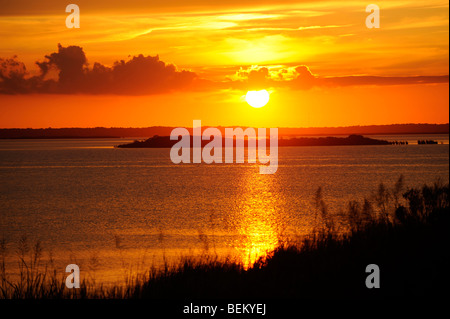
(409, 244)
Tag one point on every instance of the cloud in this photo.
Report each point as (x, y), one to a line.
(12, 76)
(301, 78)
(304, 78)
(380, 80)
(72, 65)
(67, 71)
(254, 77)
(139, 75)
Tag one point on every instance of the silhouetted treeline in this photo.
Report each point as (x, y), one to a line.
(369, 130)
(115, 132)
(94, 132)
(426, 142)
(332, 141)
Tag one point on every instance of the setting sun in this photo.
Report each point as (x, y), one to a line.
(257, 99)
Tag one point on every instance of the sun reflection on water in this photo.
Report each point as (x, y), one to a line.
(257, 219)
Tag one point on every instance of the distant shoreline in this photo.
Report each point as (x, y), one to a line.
(59, 137)
(134, 137)
(122, 132)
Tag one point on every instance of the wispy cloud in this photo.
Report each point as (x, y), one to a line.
(199, 34)
(312, 27)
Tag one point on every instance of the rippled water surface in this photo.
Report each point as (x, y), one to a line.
(109, 209)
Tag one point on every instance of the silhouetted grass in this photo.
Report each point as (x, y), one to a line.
(404, 232)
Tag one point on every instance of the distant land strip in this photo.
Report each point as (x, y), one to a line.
(165, 142)
(123, 132)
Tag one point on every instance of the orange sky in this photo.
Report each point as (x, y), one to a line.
(351, 75)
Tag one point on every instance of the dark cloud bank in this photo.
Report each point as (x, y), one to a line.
(67, 71)
(139, 75)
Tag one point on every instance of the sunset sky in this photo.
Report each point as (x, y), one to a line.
(145, 63)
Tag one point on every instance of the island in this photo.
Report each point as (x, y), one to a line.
(354, 139)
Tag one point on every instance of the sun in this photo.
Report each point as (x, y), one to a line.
(257, 99)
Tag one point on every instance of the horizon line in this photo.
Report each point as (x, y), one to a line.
(219, 126)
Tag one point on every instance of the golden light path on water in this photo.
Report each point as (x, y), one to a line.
(257, 221)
